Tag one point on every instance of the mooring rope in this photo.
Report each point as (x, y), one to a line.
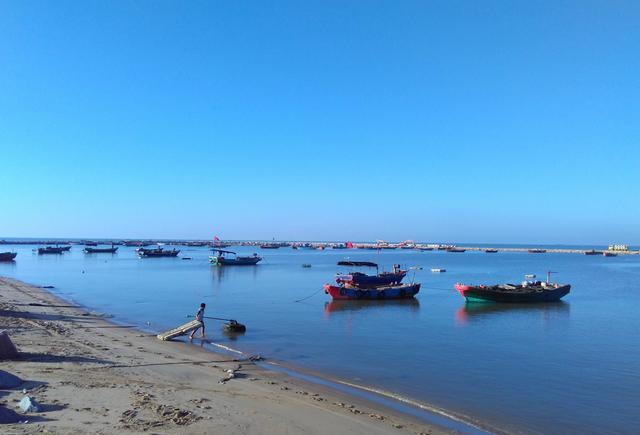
(311, 295)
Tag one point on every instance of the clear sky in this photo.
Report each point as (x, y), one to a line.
(492, 121)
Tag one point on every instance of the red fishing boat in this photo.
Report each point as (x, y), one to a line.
(396, 291)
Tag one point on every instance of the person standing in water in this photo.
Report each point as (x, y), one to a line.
(200, 318)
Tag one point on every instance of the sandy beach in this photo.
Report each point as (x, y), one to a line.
(93, 376)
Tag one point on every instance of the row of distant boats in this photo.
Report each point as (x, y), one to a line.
(222, 259)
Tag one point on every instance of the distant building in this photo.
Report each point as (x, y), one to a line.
(618, 247)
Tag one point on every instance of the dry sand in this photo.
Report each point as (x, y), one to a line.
(92, 376)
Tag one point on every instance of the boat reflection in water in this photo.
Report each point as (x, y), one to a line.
(471, 312)
(224, 274)
(334, 306)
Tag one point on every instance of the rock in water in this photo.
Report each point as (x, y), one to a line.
(7, 380)
(7, 348)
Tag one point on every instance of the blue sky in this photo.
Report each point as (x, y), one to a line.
(432, 120)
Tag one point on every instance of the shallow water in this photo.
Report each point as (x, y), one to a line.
(568, 367)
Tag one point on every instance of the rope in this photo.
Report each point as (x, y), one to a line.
(311, 295)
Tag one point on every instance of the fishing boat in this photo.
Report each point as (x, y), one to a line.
(593, 252)
(157, 252)
(438, 270)
(362, 280)
(7, 256)
(53, 250)
(236, 260)
(90, 243)
(491, 251)
(609, 254)
(425, 248)
(396, 291)
(111, 250)
(269, 246)
(537, 251)
(455, 250)
(528, 291)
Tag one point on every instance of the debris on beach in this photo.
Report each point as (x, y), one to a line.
(230, 374)
(28, 404)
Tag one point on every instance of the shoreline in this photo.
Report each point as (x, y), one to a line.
(72, 350)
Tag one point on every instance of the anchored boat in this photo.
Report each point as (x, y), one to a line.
(157, 252)
(53, 250)
(111, 250)
(362, 280)
(396, 291)
(528, 291)
(7, 256)
(221, 260)
(385, 285)
(592, 252)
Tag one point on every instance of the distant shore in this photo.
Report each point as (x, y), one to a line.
(262, 244)
(92, 375)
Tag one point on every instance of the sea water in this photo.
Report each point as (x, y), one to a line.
(566, 367)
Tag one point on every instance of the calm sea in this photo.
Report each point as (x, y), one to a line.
(568, 367)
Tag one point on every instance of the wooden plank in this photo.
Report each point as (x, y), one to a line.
(180, 330)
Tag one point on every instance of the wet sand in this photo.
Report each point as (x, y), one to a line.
(93, 376)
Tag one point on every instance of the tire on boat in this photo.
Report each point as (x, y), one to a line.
(342, 291)
(403, 293)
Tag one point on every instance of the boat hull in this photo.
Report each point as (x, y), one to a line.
(402, 291)
(100, 250)
(487, 294)
(156, 253)
(8, 256)
(239, 261)
(44, 251)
